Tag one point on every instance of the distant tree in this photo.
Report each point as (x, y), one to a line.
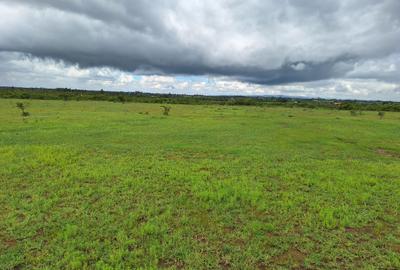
(64, 97)
(162, 99)
(121, 99)
(22, 107)
(166, 110)
(25, 96)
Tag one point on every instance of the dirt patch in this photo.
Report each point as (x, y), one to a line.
(229, 229)
(271, 234)
(142, 219)
(204, 169)
(346, 140)
(201, 239)
(387, 153)
(396, 248)
(361, 230)
(362, 234)
(20, 217)
(366, 232)
(239, 242)
(293, 256)
(39, 233)
(224, 263)
(170, 263)
(261, 266)
(9, 243)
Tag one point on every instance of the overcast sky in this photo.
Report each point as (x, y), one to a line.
(330, 48)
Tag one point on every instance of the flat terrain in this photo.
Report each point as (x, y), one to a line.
(101, 185)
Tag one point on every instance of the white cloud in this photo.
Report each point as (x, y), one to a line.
(298, 66)
(387, 68)
(19, 70)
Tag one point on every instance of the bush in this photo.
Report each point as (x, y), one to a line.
(21, 106)
(166, 110)
(121, 99)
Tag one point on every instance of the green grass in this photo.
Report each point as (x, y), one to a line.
(99, 185)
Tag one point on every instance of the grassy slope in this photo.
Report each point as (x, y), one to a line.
(87, 184)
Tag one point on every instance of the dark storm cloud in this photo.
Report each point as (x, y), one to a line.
(265, 42)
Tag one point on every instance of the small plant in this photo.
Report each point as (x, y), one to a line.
(166, 110)
(22, 108)
(381, 114)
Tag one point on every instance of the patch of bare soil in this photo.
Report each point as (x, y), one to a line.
(387, 153)
(9, 243)
(168, 263)
(361, 230)
(293, 256)
(396, 248)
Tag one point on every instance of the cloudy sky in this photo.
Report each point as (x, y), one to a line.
(330, 48)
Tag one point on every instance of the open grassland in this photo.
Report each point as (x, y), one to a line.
(99, 185)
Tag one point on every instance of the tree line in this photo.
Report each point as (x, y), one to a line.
(67, 94)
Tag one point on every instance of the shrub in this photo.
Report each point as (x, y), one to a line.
(21, 106)
(166, 110)
(121, 99)
(381, 114)
(64, 97)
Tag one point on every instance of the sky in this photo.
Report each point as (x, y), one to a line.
(347, 49)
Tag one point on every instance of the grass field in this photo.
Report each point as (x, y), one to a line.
(100, 185)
